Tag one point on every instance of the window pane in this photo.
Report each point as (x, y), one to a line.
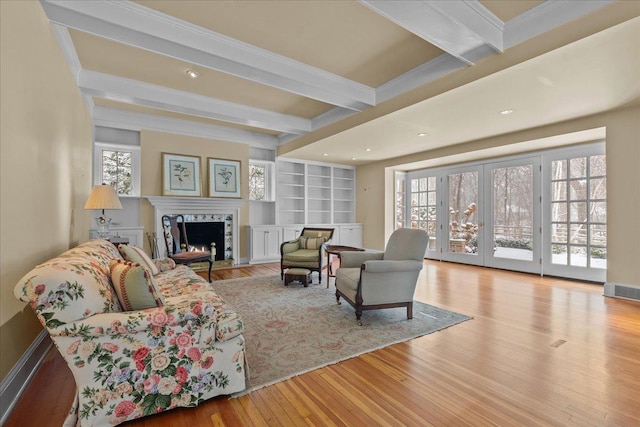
(598, 235)
(578, 189)
(423, 184)
(423, 199)
(598, 258)
(579, 256)
(559, 254)
(432, 183)
(257, 187)
(558, 233)
(578, 212)
(432, 197)
(598, 165)
(558, 212)
(414, 185)
(558, 169)
(578, 234)
(598, 212)
(117, 170)
(598, 188)
(559, 190)
(578, 167)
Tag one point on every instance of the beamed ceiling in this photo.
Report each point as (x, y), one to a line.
(348, 81)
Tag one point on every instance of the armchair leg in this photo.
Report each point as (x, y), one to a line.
(358, 315)
(210, 265)
(410, 310)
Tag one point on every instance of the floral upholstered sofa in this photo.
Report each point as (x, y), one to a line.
(185, 349)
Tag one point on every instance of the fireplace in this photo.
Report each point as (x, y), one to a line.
(202, 234)
(199, 214)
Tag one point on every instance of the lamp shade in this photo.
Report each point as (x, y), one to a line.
(103, 197)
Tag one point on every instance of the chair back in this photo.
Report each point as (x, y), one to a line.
(175, 234)
(406, 244)
(327, 233)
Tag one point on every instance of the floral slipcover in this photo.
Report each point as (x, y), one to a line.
(131, 364)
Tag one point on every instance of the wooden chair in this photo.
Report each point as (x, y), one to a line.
(177, 244)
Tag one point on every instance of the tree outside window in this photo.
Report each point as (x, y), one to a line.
(257, 181)
(117, 169)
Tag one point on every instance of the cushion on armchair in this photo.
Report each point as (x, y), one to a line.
(134, 285)
(136, 254)
(311, 242)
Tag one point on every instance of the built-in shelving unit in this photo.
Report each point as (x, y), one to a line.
(314, 193)
(290, 192)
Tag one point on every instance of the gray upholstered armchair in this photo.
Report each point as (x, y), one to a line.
(305, 251)
(374, 280)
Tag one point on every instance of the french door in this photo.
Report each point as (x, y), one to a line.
(543, 213)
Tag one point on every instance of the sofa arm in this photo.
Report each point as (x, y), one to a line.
(388, 266)
(354, 259)
(164, 264)
(203, 313)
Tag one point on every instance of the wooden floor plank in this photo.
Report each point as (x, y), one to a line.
(539, 351)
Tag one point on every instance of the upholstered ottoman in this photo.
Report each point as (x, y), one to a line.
(301, 275)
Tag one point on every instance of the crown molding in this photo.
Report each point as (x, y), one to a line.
(139, 93)
(124, 119)
(129, 23)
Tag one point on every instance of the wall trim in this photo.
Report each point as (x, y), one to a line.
(15, 382)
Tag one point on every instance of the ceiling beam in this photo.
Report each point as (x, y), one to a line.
(149, 95)
(129, 120)
(134, 25)
(454, 26)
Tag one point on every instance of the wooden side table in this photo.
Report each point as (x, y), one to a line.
(335, 250)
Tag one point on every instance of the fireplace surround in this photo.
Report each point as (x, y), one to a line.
(201, 210)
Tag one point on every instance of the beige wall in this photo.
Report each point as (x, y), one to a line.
(153, 144)
(623, 184)
(45, 155)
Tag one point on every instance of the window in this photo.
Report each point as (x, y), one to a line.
(119, 166)
(261, 180)
(401, 178)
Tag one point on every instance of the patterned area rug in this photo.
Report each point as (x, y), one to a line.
(291, 329)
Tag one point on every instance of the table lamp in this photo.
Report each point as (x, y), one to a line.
(103, 197)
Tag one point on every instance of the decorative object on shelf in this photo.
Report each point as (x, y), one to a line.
(103, 197)
(224, 178)
(180, 175)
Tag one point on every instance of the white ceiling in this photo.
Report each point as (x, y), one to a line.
(340, 77)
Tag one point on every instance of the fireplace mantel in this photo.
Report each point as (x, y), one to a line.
(168, 205)
(168, 202)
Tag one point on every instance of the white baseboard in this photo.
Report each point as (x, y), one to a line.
(17, 379)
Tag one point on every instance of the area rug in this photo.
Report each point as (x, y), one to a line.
(291, 329)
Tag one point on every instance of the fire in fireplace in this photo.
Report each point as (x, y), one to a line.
(201, 234)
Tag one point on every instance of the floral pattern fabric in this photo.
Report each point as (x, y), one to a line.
(129, 364)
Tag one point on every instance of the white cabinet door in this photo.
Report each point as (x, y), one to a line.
(265, 244)
(351, 235)
(291, 233)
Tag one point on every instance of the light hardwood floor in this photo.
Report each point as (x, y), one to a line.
(539, 351)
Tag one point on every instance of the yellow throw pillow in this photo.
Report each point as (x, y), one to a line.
(136, 254)
(134, 285)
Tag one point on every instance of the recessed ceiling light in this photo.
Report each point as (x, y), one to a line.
(368, 149)
(353, 158)
(192, 73)
(506, 112)
(325, 154)
(422, 134)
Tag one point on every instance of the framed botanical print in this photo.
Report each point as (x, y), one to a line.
(224, 178)
(180, 175)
